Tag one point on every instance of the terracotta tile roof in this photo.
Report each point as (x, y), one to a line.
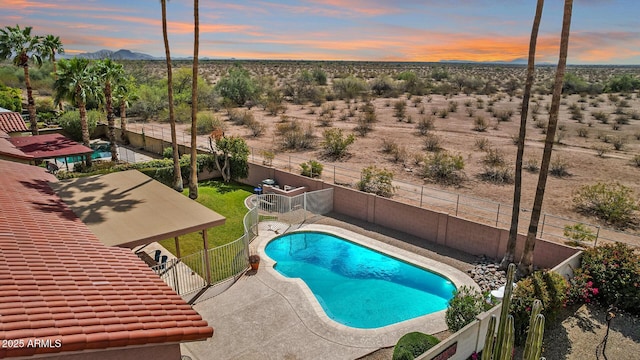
(49, 146)
(12, 122)
(60, 283)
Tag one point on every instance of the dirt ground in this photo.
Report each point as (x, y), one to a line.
(456, 136)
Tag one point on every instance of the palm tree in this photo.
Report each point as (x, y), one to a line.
(193, 182)
(526, 264)
(22, 47)
(76, 82)
(52, 45)
(124, 92)
(177, 175)
(515, 211)
(109, 74)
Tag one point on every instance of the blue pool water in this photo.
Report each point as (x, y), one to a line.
(357, 286)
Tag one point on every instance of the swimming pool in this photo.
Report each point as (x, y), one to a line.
(357, 286)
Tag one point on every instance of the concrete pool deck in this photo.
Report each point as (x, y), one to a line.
(274, 317)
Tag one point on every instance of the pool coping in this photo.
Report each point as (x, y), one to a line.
(310, 312)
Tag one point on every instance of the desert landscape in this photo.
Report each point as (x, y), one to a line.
(470, 110)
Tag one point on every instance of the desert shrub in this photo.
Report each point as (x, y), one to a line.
(493, 157)
(611, 202)
(399, 109)
(559, 167)
(388, 146)
(532, 165)
(583, 132)
(311, 169)
(497, 174)
(619, 142)
(443, 113)
(335, 143)
(377, 181)
(432, 142)
(44, 105)
(601, 116)
(70, 123)
(257, 128)
(601, 150)
(444, 168)
(349, 87)
(548, 287)
(453, 106)
(480, 124)
(267, 157)
(400, 154)
(579, 234)
(470, 112)
(503, 115)
(482, 144)
(240, 117)
(636, 160)
(294, 136)
(237, 87)
(206, 122)
(609, 273)
(325, 120)
(464, 306)
(363, 127)
(425, 124)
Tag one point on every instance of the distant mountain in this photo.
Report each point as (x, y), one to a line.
(121, 54)
(518, 61)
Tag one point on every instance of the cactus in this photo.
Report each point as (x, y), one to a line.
(533, 346)
(502, 347)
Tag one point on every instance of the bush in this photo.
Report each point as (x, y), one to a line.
(480, 124)
(399, 109)
(311, 169)
(482, 144)
(206, 122)
(432, 143)
(294, 136)
(336, 143)
(612, 202)
(412, 345)
(70, 123)
(493, 157)
(444, 168)
(559, 167)
(532, 165)
(167, 153)
(499, 174)
(579, 234)
(425, 124)
(636, 160)
(376, 181)
(10, 98)
(548, 287)
(464, 306)
(609, 273)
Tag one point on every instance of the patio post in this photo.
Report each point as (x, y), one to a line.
(207, 263)
(177, 247)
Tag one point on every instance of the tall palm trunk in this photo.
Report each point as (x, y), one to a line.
(177, 175)
(111, 121)
(31, 105)
(517, 190)
(193, 183)
(526, 264)
(123, 122)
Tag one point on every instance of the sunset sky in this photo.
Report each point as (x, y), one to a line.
(602, 31)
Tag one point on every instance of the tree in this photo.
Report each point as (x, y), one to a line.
(193, 183)
(23, 48)
(109, 74)
(231, 157)
(177, 176)
(517, 190)
(52, 45)
(526, 263)
(124, 92)
(76, 82)
(237, 87)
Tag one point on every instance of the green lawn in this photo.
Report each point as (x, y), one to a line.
(227, 199)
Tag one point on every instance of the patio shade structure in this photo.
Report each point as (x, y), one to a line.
(39, 147)
(129, 209)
